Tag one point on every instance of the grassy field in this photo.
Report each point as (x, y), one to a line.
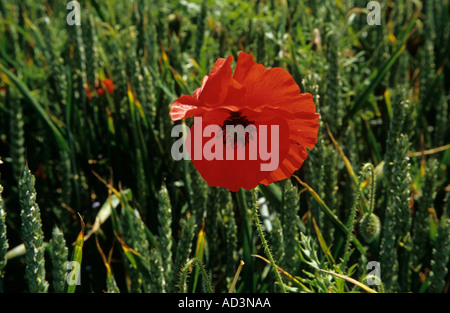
(88, 185)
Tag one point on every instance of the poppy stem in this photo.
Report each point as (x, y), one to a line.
(263, 240)
(365, 170)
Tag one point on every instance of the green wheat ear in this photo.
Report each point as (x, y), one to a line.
(333, 110)
(289, 219)
(441, 252)
(59, 257)
(134, 236)
(165, 232)
(421, 224)
(200, 34)
(92, 55)
(184, 246)
(33, 235)
(17, 135)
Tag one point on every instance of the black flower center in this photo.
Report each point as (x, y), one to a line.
(237, 134)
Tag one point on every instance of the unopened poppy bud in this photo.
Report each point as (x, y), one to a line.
(369, 227)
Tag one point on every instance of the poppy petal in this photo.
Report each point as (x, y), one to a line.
(215, 85)
(304, 128)
(185, 106)
(270, 87)
(109, 85)
(294, 160)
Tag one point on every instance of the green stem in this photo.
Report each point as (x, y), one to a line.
(263, 240)
(184, 275)
(372, 185)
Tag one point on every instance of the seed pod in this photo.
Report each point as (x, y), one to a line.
(369, 227)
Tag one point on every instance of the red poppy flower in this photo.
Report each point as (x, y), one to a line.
(266, 99)
(108, 83)
(40, 172)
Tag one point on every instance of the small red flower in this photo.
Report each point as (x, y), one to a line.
(108, 83)
(252, 95)
(40, 172)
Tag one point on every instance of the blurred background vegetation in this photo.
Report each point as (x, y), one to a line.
(85, 136)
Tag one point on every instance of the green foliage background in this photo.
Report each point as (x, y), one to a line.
(375, 188)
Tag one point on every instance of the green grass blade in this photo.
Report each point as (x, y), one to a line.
(77, 256)
(41, 111)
